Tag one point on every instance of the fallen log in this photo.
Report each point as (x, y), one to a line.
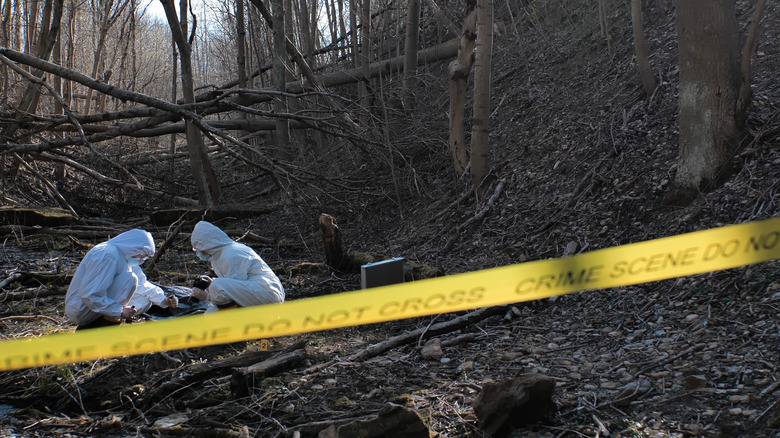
(426, 332)
(244, 379)
(197, 372)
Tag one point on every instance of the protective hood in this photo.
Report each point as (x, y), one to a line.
(134, 243)
(208, 237)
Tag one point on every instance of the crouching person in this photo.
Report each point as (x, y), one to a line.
(243, 278)
(104, 281)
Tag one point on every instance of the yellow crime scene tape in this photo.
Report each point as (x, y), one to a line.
(676, 256)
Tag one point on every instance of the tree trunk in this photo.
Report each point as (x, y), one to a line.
(648, 81)
(710, 81)
(745, 92)
(241, 44)
(174, 93)
(46, 41)
(365, 53)
(410, 51)
(282, 132)
(203, 175)
(480, 147)
(459, 70)
(68, 88)
(5, 37)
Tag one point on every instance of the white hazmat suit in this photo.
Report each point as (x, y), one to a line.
(243, 277)
(146, 293)
(104, 281)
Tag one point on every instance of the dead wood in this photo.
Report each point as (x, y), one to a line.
(30, 294)
(477, 217)
(32, 216)
(167, 243)
(426, 332)
(331, 240)
(36, 279)
(201, 371)
(244, 379)
(192, 215)
(208, 432)
(29, 317)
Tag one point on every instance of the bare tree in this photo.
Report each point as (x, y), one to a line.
(459, 70)
(52, 16)
(202, 173)
(106, 14)
(410, 50)
(480, 146)
(648, 81)
(282, 133)
(365, 52)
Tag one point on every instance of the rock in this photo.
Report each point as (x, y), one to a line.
(695, 382)
(526, 399)
(432, 350)
(391, 421)
(466, 366)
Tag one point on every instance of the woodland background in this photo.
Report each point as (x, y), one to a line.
(579, 151)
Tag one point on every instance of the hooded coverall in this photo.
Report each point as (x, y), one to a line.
(243, 277)
(104, 281)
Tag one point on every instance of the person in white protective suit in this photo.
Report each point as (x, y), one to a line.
(104, 282)
(243, 278)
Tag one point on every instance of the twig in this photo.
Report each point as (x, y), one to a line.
(28, 317)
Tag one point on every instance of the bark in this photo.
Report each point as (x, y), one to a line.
(480, 147)
(459, 70)
(710, 81)
(648, 81)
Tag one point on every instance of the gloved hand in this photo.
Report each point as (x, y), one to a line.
(128, 312)
(202, 282)
(171, 302)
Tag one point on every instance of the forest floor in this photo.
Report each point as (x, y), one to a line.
(583, 161)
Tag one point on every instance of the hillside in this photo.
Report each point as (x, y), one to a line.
(581, 161)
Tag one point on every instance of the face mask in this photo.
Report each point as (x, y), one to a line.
(202, 256)
(132, 261)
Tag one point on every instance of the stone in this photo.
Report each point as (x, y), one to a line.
(432, 350)
(523, 400)
(695, 382)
